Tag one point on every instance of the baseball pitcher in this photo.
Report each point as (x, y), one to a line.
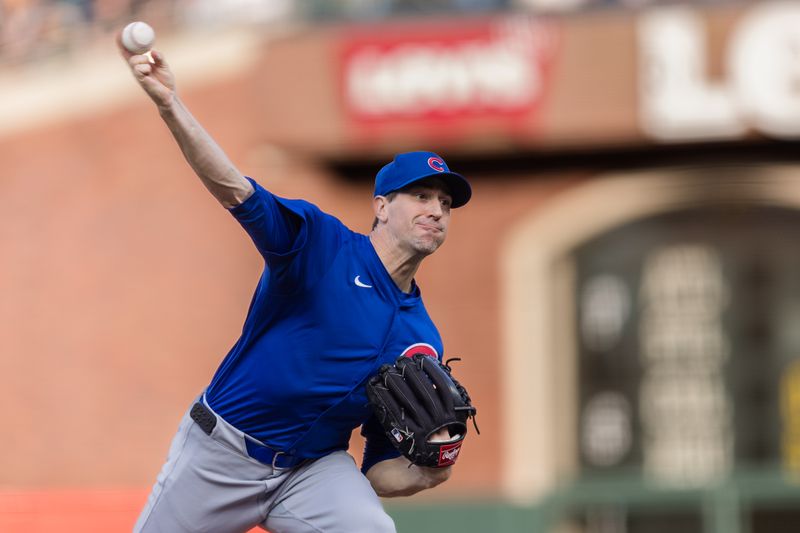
(336, 337)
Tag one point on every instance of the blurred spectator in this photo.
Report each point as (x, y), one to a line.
(32, 30)
(347, 9)
(376, 9)
(555, 6)
(22, 27)
(235, 12)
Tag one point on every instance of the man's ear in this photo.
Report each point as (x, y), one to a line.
(379, 204)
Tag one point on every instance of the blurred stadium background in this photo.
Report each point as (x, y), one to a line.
(624, 288)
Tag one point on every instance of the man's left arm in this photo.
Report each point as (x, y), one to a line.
(398, 477)
(420, 414)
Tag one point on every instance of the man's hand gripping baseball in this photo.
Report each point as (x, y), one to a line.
(154, 75)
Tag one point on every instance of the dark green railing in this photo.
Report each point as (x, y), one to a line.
(723, 507)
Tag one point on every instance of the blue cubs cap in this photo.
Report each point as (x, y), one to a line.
(411, 167)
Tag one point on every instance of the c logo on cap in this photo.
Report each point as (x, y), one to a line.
(436, 164)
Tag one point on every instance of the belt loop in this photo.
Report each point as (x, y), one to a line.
(275, 459)
(204, 418)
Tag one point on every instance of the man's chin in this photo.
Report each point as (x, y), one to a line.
(428, 247)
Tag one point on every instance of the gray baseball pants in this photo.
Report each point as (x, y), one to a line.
(210, 484)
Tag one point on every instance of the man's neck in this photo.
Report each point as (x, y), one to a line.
(401, 266)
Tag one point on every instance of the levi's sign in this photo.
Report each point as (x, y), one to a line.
(445, 71)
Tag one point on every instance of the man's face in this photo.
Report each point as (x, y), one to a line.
(419, 215)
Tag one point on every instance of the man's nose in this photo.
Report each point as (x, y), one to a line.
(436, 208)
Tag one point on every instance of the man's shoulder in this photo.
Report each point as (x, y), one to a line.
(308, 211)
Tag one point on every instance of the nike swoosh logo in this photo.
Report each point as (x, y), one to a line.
(360, 283)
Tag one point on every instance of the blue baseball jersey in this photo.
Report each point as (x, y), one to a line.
(325, 316)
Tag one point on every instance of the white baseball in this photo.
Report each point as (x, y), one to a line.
(438, 437)
(138, 37)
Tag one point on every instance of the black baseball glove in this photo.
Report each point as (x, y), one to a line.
(415, 398)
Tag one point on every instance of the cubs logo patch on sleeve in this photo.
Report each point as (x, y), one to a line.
(420, 347)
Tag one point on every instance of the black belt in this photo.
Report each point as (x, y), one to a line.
(207, 421)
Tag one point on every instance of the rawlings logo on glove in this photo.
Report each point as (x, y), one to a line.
(417, 398)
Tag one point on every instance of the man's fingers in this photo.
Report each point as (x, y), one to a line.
(142, 70)
(152, 87)
(440, 436)
(155, 90)
(141, 59)
(135, 61)
(144, 75)
(158, 58)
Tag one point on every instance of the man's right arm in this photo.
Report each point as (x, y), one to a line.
(203, 154)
